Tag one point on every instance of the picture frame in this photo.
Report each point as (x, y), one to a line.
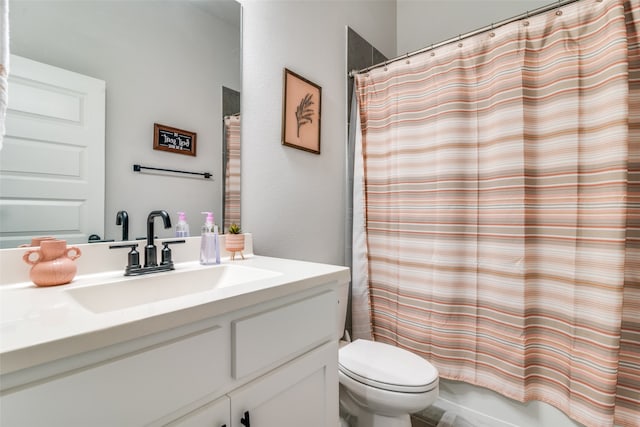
(174, 140)
(301, 113)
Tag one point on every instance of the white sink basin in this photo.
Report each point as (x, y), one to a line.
(132, 291)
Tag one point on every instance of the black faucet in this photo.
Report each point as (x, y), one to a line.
(122, 218)
(150, 258)
(150, 253)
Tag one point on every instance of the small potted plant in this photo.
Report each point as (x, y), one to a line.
(234, 241)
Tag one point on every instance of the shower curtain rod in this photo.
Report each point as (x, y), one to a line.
(527, 14)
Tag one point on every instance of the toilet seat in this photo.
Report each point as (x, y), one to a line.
(386, 367)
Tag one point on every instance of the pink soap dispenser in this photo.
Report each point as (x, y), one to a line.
(182, 228)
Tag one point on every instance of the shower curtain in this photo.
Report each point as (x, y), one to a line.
(232, 171)
(500, 193)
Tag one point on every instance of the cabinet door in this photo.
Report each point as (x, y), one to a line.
(214, 414)
(304, 392)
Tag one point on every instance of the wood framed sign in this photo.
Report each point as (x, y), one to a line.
(301, 113)
(167, 138)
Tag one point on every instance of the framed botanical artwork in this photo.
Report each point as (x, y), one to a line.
(174, 140)
(301, 113)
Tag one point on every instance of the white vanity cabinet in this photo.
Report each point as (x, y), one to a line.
(300, 393)
(275, 361)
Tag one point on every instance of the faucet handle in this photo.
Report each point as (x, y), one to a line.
(166, 252)
(133, 258)
(171, 242)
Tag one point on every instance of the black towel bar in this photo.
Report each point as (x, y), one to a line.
(138, 168)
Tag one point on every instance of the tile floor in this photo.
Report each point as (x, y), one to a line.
(436, 417)
(430, 417)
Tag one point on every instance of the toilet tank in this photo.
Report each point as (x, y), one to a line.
(343, 299)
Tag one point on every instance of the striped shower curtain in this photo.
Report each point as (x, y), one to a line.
(501, 209)
(232, 171)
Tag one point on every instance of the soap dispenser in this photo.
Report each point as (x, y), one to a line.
(216, 243)
(208, 241)
(182, 228)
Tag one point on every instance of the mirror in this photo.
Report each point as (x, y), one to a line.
(163, 62)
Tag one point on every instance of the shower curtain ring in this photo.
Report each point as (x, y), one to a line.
(558, 11)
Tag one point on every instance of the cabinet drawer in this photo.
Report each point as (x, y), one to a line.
(281, 334)
(128, 391)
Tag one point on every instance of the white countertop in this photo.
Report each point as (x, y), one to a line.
(43, 324)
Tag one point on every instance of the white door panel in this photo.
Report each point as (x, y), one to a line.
(52, 162)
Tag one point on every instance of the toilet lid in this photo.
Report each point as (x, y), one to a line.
(387, 367)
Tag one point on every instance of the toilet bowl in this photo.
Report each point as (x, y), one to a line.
(380, 384)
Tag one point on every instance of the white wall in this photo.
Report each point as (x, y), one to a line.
(163, 62)
(293, 201)
(421, 23)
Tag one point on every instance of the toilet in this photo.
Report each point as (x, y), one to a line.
(380, 384)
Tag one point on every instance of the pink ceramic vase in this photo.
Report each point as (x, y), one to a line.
(234, 243)
(54, 264)
(35, 241)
